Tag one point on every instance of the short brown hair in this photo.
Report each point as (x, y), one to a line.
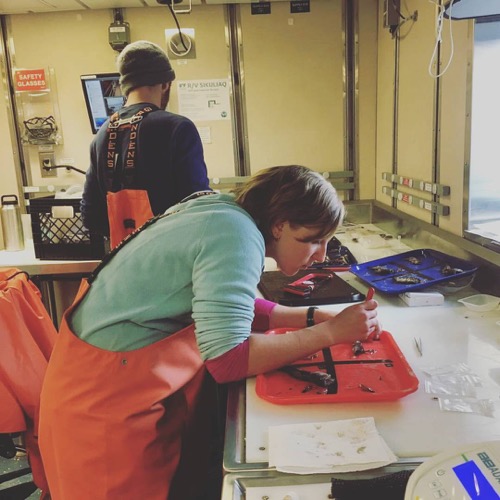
(291, 193)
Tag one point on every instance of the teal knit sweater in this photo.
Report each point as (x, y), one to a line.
(201, 263)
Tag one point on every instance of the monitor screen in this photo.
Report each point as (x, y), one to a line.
(477, 485)
(103, 97)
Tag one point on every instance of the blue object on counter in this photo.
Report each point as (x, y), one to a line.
(413, 270)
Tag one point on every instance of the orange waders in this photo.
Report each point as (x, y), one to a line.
(128, 206)
(113, 424)
(27, 336)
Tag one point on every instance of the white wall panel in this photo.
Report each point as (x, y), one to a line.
(385, 106)
(9, 184)
(416, 100)
(416, 110)
(76, 43)
(293, 82)
(452, 149)
(367, 97)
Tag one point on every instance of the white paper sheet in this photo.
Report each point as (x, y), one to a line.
(325, 447)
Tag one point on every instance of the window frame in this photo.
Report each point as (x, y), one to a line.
(468, 232)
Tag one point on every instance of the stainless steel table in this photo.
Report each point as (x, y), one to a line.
(272, 485)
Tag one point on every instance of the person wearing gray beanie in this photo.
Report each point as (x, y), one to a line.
(142, 146)
(141, 64)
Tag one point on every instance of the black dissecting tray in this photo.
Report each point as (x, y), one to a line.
(338, 257)
(413, 270)
(334, 291)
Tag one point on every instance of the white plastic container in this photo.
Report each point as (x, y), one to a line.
(481, 302)
(416, 299)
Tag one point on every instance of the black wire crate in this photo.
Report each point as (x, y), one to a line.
(58, 231)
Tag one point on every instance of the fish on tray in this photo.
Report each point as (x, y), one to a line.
(319, 378)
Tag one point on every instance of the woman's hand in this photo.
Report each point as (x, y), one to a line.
(268, 352)
(356, 322)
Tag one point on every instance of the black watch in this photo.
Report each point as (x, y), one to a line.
(310, 316)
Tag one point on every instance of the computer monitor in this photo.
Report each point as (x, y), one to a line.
(103, 97)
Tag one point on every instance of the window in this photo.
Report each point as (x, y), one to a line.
(484, 175)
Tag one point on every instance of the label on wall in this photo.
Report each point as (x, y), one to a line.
(204, 99)
(261, 8)
(28, 80)
(299, 6)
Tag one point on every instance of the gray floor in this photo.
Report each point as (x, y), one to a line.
(213, 491)
(212, 485)
(11, 465)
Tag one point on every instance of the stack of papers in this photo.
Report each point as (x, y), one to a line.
(328, 447)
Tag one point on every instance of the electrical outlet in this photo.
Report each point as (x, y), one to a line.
(47, 160)
(180, 46)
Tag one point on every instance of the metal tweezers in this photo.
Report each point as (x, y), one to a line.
(418, 345)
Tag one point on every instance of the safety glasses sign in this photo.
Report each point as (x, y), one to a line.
(29, 80)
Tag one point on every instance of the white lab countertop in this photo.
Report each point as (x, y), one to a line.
(26, 261)
(414, 426)
(47, 273)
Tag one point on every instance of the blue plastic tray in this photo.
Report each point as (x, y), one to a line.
(428, 267)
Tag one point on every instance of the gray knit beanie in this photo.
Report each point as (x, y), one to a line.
(141, 64)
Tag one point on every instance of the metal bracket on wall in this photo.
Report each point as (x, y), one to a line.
(228, 183)
(431, 206)
(429, 187)
(347, 175)
(225, 184)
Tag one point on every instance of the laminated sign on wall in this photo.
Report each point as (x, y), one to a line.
(204, 99)
(29, 80)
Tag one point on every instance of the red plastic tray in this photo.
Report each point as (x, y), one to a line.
(385, 371)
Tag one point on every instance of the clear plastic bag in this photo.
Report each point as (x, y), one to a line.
(452, 380)
(449, 387)
(468, 405)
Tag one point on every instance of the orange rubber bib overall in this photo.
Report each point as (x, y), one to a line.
(27, 336)
(114, 425)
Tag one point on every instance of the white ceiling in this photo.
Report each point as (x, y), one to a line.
(27, 6)
(30, 6)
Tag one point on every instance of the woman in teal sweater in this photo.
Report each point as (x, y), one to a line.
(174, 300)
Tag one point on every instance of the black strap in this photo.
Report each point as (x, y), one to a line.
(18, 272)
(134, 234)
(310, 316)
(120, 172)
(120, 245)
(333, 385)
